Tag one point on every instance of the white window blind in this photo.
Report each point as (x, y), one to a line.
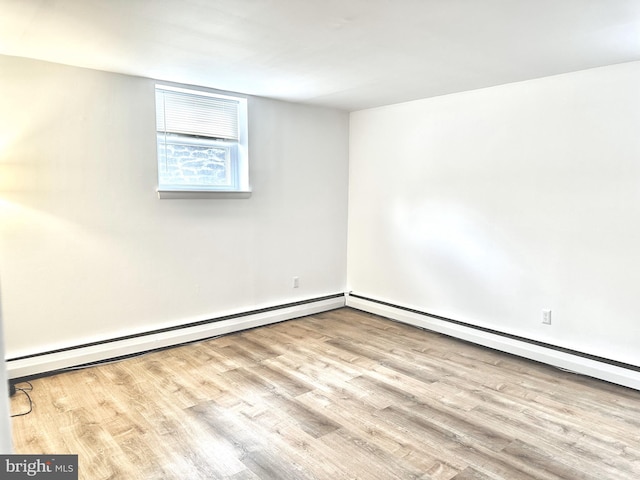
(196, 113)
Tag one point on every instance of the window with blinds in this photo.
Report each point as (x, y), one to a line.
(202, 141)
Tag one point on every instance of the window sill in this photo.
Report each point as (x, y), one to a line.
(202, 194)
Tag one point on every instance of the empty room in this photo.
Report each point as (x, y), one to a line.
(305, 239)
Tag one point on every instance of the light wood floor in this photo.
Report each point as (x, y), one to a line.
(339, 395)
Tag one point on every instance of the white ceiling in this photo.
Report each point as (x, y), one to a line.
(350, 54)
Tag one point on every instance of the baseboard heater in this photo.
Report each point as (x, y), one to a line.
(55, 360)
(574, 361)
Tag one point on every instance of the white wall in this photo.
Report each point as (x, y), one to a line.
(87, 250)
(6, 446)
(484, 206)
(490, 205)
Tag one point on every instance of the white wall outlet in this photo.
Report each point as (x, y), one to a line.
(296, 282)
(546, 317)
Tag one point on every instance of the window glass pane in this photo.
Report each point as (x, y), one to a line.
(187, 162)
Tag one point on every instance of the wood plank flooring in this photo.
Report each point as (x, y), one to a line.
(338, 395)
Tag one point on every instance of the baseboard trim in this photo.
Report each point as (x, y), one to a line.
(55, 360)
(603, 369)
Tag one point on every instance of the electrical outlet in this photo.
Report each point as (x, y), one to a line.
(296, 282)
(546, 317)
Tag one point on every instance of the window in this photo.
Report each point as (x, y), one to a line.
(202, 144)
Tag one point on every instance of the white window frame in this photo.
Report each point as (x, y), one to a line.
(238, 186)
